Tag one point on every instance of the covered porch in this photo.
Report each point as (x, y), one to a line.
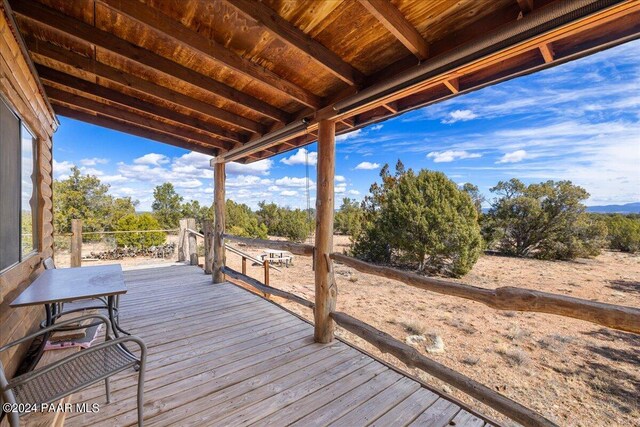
(242, 81)
(221, 355)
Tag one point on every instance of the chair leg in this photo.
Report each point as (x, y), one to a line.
(141, 395)
(107, 389)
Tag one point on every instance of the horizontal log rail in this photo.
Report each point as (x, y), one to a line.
(266, 289)
(511, 298)
(294, 248)
(412, 358)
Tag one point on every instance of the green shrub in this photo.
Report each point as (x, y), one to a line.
(294, 224)
(348, 219)
(422, 219)
(135, 223)
(623, 233)
(241, 221)
(545, 220)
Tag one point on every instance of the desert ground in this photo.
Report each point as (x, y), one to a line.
(573, 372)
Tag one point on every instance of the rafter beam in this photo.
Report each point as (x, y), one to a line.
(76, 101)
(547, 52)
(44, 53)
(293, 36)
(389, 16)
(45, 16)
(453, 85)
(526, 6)
(129, 128)
(70, 83)
(185, 37)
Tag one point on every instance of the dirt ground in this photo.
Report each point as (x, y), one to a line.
(573, 372)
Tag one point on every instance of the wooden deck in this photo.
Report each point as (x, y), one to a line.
(220, 355)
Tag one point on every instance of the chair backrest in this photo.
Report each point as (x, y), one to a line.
(49, 264)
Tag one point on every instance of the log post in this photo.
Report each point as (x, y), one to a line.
(76, 242)
(207, 230)
(266, 275)
(326, 291)
(182, 242)
(193, 243)
(244, 266)
(219, 176)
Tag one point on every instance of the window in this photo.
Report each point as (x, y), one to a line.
(18, 189)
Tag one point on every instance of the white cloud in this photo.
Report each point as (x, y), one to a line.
(350, 135)
(152, 159)
(451, 155)
(61, 169)
(300, 158)
(367, 166)
(376, 127)
(354, 192)
(93, 161)
(513, 157)
(288, 181)
(459, 116)
(289, 193)
(340, 178)
(188, 183)
(261, 167)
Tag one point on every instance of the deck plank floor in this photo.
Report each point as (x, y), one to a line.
(220, 355)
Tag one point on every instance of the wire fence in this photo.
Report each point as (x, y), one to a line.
(125, 247)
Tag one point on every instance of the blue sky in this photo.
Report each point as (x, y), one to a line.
(578, 121)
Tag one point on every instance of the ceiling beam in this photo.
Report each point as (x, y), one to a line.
(45, 53)
(453, 85)
(547, 52)
(293, 36)
(129, 128)
(185, 37)
(393, 20)
(71, 83)
(45, 16)
(69, 99)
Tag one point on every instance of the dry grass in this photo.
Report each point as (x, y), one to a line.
(413, 326)
(515, 356)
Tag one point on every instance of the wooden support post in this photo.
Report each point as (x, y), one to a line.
(244, 266)
(193, 243)
(326, 291)
(207, 230)
(266, 275)
(219, 224)
(183, 254)
(76, 242)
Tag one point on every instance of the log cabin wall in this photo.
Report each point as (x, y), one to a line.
(20, 89)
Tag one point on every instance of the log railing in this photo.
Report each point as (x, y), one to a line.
(511, 298)
(505, 298)
(265, 288)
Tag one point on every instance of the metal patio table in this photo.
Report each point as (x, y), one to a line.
(61, 285)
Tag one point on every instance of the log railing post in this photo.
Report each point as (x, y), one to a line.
(182, 241)
(219, 224)
(207, 231)
(266, 275)
(244, 266)
(193, 243)
(76, 242)
(326, 291)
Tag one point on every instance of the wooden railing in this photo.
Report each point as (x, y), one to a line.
(506, 298)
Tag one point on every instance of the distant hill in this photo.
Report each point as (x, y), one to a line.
(624, 209)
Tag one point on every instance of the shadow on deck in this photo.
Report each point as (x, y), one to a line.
(220, 355)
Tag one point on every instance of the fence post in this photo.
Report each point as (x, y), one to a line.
(266, 275)
(76, 242)
(193, 244)
(207, 230)
(182, 241)
(244, 266)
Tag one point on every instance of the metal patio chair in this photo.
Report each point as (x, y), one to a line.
(73, 373)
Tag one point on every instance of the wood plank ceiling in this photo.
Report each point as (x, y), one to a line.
(212, 76)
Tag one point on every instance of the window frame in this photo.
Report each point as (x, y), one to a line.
(36, 249)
